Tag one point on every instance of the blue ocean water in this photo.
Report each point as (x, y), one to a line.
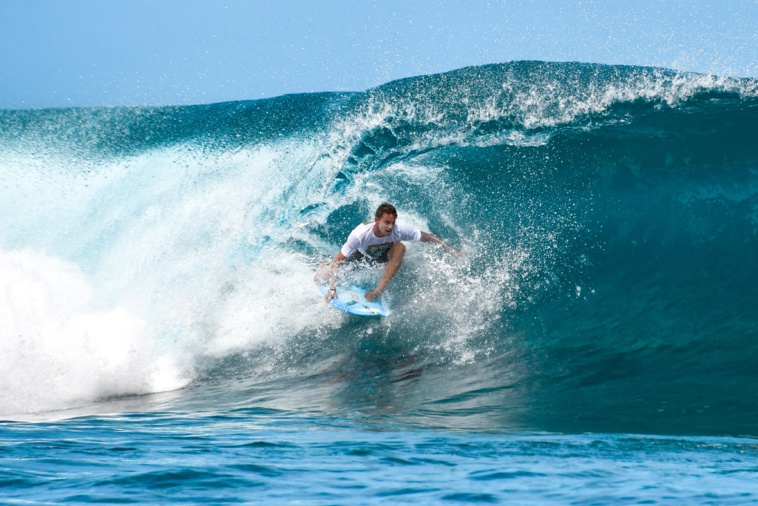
(162, 341)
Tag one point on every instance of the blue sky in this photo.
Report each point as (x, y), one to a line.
(124, 52)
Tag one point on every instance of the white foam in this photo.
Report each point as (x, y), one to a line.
(271, 300)
(60, 348)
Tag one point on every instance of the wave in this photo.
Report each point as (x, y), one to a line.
(609, 216)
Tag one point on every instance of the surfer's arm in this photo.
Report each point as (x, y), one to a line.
(427, 237)
(328, 274)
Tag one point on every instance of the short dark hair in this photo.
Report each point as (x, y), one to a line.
(385, 208)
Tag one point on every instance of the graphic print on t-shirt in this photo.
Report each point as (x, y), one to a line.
(377, 250)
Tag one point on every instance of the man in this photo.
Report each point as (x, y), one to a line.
(378, 242)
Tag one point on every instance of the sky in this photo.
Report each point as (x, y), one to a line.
(63, 53)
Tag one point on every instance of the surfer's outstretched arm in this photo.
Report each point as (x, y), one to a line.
(427, 237)
(327, 273)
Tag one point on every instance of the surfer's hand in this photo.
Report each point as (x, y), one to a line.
(372, 296)
(331, 294)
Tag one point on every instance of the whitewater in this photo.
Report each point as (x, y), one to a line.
(161, 339)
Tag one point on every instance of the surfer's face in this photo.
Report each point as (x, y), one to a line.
(384, 226)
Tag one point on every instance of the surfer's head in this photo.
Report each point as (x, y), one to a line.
(384, 220)
(385, 208)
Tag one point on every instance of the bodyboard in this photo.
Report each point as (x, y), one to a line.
(353, 300)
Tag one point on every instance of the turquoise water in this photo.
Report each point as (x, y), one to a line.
(269, 456)
(162, 340)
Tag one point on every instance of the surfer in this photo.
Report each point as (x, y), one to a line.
(378, 243)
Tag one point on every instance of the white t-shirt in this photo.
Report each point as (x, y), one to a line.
(362, 239)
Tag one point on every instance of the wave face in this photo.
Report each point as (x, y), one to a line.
(609, 214)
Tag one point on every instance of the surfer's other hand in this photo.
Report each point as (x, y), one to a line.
(372, 296)
(331, 294)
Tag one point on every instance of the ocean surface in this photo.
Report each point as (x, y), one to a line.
(161, 338)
